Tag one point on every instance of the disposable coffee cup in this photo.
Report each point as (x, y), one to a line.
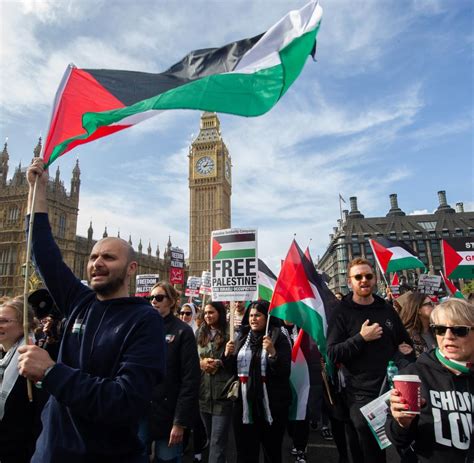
(409, 388)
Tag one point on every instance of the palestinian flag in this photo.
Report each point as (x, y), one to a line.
(266, 281)
(452, 290)
(301, 296)
(299, 377)
(458, 257)
(247, 78)
(395, 280)
(233, 245)
(393, 256)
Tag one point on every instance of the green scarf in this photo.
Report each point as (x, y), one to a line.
(461, 367)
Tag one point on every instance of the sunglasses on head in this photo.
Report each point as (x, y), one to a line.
(157, 297)
(359, 276)
(186, 313)
(458, 331)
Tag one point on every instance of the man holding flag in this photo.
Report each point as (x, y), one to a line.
(364, 334)
(111, 354)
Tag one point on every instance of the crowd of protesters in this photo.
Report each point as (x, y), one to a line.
(141, 380)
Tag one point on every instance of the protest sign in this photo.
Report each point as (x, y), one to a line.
(234, 265)
(375, 413)
(429, 284)
(177, 266)
(458, 258)
(144, 283)
(192, 286)
(205, 283)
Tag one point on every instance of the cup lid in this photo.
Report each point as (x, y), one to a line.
(411, 378)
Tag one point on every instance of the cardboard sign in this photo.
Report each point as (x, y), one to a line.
(234, 265)
(177, 266)
(205, 283)
(429, 284)
(192, 286)
(144, 283)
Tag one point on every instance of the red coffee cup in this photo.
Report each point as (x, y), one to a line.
(409, 388)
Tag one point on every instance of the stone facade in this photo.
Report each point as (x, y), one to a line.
(423, 233)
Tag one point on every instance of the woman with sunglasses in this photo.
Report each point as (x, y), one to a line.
(442, 432)
(212, 336)
(262, 363)
(175, 401)
(20, 423)
(188, 315)
(415, 313)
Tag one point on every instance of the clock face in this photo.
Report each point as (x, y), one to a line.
(205, 165)
(227, 169)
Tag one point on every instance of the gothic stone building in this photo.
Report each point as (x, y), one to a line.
(63, 212)
(423, 233)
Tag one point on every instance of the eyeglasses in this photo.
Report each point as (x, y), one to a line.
(5, 321)
(458, 331)
(157, 297)
(359, 276)
(187, 314)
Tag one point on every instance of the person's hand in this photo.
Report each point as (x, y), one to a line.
(370, 332)
(229, 348)
(405, 348)
(267, 345)
(398, 407)
(208, 365)
(33, 362)
(176, 435)
(37, 170)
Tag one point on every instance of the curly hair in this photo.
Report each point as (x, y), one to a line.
(204, 335)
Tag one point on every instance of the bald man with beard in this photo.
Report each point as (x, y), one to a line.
(111, 356)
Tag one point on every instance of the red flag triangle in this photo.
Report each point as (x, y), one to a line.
(382, 254)
(451, 259)
(395, 280)
(216, 247)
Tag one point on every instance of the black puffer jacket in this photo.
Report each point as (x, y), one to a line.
(278, 371)
(443, 430)
(175, 401)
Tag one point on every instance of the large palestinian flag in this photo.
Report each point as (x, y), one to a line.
(393, 256)
(301, 296)
(246, 78)
(458, 257)
(266, 281)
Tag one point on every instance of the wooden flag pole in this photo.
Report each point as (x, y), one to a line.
(26, 325)
(231, 320)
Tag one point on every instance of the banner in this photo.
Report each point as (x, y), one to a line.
(177, 266)
(234, 264)
(192, 286)
(205, 283)
(429, 284)
(144, 283)
(458, 258)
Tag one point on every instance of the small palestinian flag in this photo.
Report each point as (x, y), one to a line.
(232, 244)
(299, 377)
(393, 256)
(458, 257)
(301, 297)
(247, 78)
(395, 280)
(452, 290)
(266, 281)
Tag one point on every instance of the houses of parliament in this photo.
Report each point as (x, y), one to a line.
(210, 209)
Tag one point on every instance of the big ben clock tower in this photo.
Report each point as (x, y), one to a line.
(210, 189)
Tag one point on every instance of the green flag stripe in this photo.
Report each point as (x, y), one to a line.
(235, 254)
(306, 318)
(404, 263)
(265, 293)
(233, 93)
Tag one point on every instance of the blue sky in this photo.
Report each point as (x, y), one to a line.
(387, 108)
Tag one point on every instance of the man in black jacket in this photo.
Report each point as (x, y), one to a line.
(363, 335)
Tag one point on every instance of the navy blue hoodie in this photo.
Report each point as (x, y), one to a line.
(111, 356)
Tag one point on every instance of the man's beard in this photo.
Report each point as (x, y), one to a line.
(110, 287)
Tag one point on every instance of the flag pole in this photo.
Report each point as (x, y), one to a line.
(26, 325)
(378, 263)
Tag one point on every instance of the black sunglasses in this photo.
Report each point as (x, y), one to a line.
(458, 331)
(186, 313)
(157, 297)
(368, 276)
